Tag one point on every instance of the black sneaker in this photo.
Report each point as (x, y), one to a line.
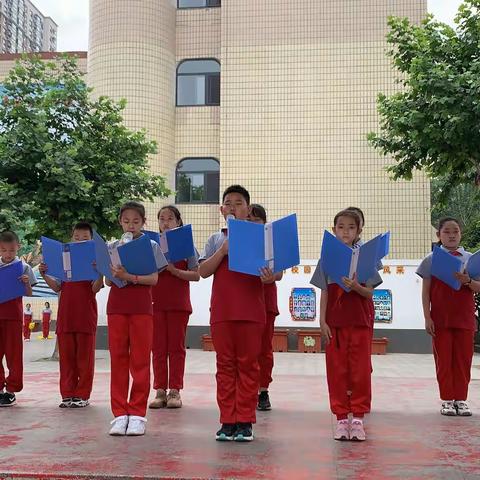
(8, 400)
(264, 401)
(226, 433)
(244, 432)
(79, 403)
(66, 402)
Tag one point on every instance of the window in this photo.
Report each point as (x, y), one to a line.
(198, 3)
(198, 180)
(198, 83)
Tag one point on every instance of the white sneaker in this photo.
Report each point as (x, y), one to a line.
(119, 425)
(136, 425)
(448, 408)
(462, 408)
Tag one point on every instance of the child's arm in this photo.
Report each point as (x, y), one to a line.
(188, 275)
(209, 266)
(50, 281)
(429, 325)
(353, 284)
(325, 329)
(28, 288)
(97, 284)
(122, 274)
(466, 280)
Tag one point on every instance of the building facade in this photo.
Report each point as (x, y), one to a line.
(23, 28)
(277, 96)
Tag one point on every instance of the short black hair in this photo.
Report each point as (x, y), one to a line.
(360, 213)
(132, 205)
(83, 226)
(348, 213)
(9, 237)
(237, 189)
(258, 211)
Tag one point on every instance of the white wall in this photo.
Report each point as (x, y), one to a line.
(406, 292)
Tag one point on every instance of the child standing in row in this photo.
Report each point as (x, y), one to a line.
(130, 334)
(237, 320)
(27, 321)
(171, 311)
(46, 316)
(76, 329)
(450, 320)
(11, 343)
(346, 321)
(265, 360)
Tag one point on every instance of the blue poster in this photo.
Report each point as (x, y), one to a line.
(303, 304)
(383, 304)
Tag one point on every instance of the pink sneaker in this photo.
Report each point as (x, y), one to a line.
(342, 432)
(357, 433)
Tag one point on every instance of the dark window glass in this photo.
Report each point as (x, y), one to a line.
(198, 180)
(198, 3)
(198, 83)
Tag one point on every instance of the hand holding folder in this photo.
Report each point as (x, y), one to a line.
(69, 262)
(11, 285)
(340, 261)
(253, 246)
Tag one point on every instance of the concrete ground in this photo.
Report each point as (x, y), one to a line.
(407, 437)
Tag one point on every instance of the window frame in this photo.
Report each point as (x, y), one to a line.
(205, 74)
(203, 6)
(204, 201)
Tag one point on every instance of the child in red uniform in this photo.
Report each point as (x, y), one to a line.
(130, 332)
(171, 310)
(237, 320)
(46, 316)
(11, 343)
(265, 360)
(27, 320)
(76, 329)
(346, 321)
(450, 320)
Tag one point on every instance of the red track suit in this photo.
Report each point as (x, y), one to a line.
(76, 328)
(350, 318)
(11, 342)
(453, 315)
(265, 359)
(237, 320)
(27, 320)
(46, 315)
(171, 310)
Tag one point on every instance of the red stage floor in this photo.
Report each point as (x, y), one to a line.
(407, 437)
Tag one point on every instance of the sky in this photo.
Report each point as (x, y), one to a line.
(72, 19)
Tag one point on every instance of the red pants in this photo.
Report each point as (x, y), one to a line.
(77, 363)
(453, 353)
(45, 327)
(130, 345)
(349, 368)
(168, 351)
(11, 347)
(265, 360)
(237, 345)
(27, 320)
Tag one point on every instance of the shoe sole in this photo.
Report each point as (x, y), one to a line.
(173, 406)
(263, 409)
(116, 434)
(9, 405)
(223, 438)
(241, 439)
(464, 414)
(449, 414)
(64, 405)
(341, 439)
(356, 439)
(76, 405)
(157, 407)
(130, 434)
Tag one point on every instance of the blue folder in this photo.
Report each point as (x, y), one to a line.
(177, 244)
(10, 284)
(473, 265)
(137, 256)
(155, 236)
(69, 262)
(444, 267)
(339, 260)
(252, 246)
(103, 260)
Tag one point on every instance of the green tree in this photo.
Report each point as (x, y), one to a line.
(432, 124)
(65, 156)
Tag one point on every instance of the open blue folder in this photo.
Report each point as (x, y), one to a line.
(10, 284)
(444, 267)
(473, 265)
(136, 257)
(252, 246)
(69, 262)
(339, 260)
(176, 244)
